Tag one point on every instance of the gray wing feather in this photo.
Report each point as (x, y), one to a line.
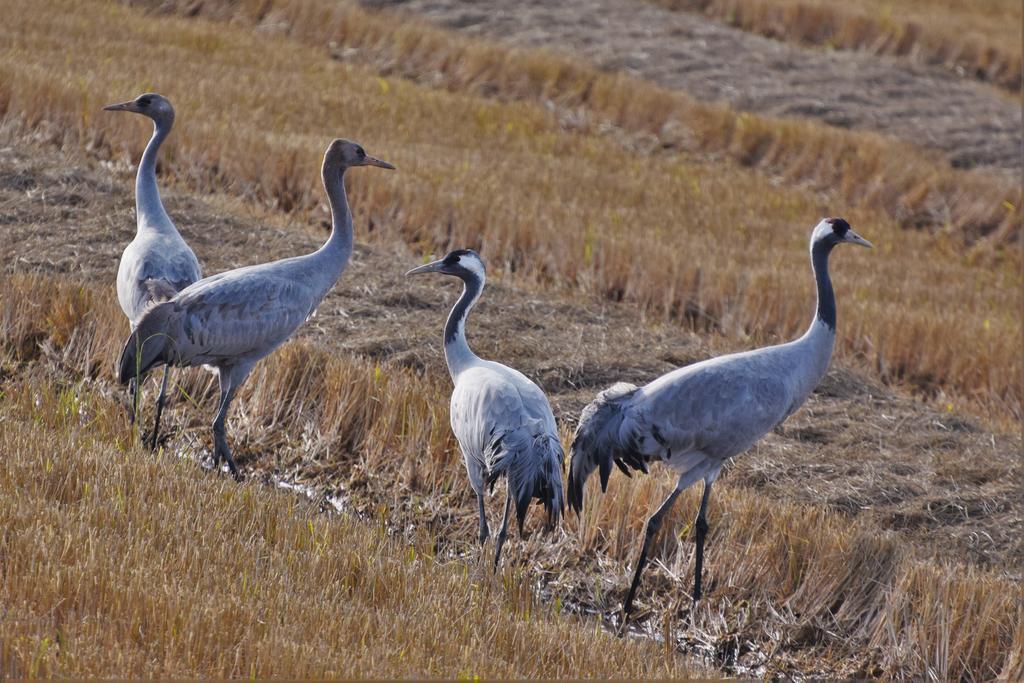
(603, 437)
(698, 416)
(720, 407)
(505, 426)
(240, 316)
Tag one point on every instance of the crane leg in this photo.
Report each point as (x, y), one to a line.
(220, 441)
(504, 529)
(160, 407)
(701, 527)
(653, 524)
(484, 531)
(133, 393)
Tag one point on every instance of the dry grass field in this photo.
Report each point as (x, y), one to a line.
(981, 39)
(712, 62)
(874, 534)
(114, 563)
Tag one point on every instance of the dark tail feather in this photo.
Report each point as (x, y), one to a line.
(161, 290)
(149, 345)
(596, 443)
(532, 464)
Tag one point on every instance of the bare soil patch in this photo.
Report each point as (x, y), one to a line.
(973, 123)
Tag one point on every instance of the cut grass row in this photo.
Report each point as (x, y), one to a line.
(914, 187)
(980, 39)
(258, 585)
(715, 245)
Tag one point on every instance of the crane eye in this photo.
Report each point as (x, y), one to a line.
(360, 152)
(144, 102)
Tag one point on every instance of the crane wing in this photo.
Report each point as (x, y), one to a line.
(719, 407)
(245, 313)
(504, 421)
(492, 400)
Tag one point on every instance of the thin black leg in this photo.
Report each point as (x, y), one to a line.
(133, 393)
(160, 407)
(653, 524)
(504, 529)
(484, 531)
(701, 527)
(220, 441)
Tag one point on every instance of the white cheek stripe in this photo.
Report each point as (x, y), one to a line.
(473, 265)
(821, 231)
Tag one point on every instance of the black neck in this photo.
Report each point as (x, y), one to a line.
(455, 326)
(826, 297)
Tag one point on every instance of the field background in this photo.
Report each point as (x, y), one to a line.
(631, 223)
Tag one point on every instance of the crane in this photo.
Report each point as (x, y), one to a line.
(157, 264)
(502, 420)
(229, 321)
(697, 417)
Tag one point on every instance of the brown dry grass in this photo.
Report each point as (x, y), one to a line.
(819, 591)
(117, 563)
(559, 207)
(796, 585)
(982, 39)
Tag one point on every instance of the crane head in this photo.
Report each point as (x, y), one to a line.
(343, 154)
(832, 231)
(156, 107)
(462, 263)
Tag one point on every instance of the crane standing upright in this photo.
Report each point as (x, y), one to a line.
(229, 321)
(502, 420)
(157, 264)
(697, 417)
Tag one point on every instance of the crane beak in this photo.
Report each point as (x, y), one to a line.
(854, 238)
(373, 161)
(121, 106)
(432, 267)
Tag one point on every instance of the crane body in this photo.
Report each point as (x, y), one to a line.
(501, 419)
(694, 419)
(229, 321)
(157, 263)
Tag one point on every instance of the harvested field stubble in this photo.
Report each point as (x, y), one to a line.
(563, 208)
(119, 563)
(910, 185)
(980, 39)
(857, 599)
(868, 536)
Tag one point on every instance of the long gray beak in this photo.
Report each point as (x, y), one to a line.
(121, 106)
(432, 267)
(374, 161)
(853, 237)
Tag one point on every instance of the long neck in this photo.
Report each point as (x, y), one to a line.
(812, 353)
(826, 311)
(148, 207)
(334, 255)
(456, 349)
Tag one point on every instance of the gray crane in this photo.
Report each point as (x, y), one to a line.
(157, 264)
(227, 322)
(695, 418)
(502, 420)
